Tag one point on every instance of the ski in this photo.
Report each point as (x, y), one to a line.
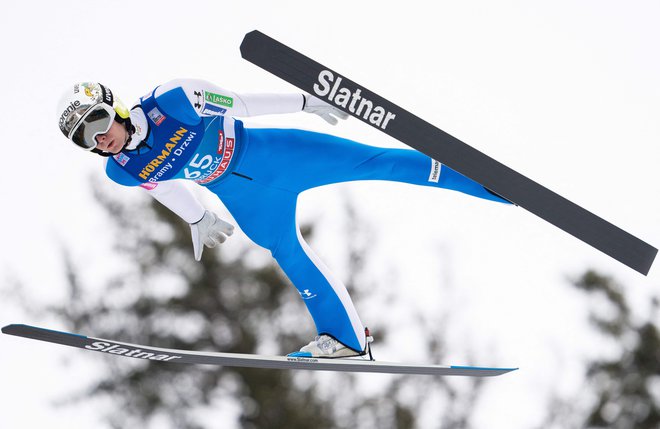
(365, 105)
(136, 351)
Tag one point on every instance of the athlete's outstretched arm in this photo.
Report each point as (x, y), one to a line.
(209, 99)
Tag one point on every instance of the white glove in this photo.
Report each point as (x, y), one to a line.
(323, 109)
(210, 230)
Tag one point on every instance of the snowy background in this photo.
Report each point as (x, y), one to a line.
(565, 92)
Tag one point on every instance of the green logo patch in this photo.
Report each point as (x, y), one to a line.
(220, 100)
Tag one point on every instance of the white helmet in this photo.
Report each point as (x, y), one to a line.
(88, 110)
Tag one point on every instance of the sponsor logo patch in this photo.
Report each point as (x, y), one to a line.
(198, 104)
(122, 158)
(306, 294)
(149, 186)
(226, 149)
(221, 142)
(210, 109)
(155, 115)
(435, 171)
(220, 100)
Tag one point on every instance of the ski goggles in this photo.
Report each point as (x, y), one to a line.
(95, 121)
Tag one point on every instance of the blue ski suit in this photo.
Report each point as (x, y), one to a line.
(258, 175)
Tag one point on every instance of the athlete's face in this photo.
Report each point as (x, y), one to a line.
(114, 139)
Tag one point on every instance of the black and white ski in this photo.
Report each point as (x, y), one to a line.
(242, 360)
(391, 119)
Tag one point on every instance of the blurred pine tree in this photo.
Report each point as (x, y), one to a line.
(622, 390)
(161, 297)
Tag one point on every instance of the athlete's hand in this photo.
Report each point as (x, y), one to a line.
(323, 109)
(210, 230)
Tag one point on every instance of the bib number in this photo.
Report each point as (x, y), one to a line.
(202, 164)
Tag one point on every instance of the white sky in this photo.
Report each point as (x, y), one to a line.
(566, 92)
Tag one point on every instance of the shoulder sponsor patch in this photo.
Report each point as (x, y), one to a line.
(155, 115)
(218, 99)
(210, 109)
(199, 101)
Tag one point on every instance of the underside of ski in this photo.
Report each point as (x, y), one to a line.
(376, 111)
(241, 360)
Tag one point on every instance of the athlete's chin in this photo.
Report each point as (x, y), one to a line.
(114, 148)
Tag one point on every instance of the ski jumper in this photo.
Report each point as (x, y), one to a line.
(185, 130)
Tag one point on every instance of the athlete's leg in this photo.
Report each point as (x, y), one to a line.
(268, 217)
(300, 160)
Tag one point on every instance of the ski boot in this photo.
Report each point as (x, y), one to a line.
(325, 346)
